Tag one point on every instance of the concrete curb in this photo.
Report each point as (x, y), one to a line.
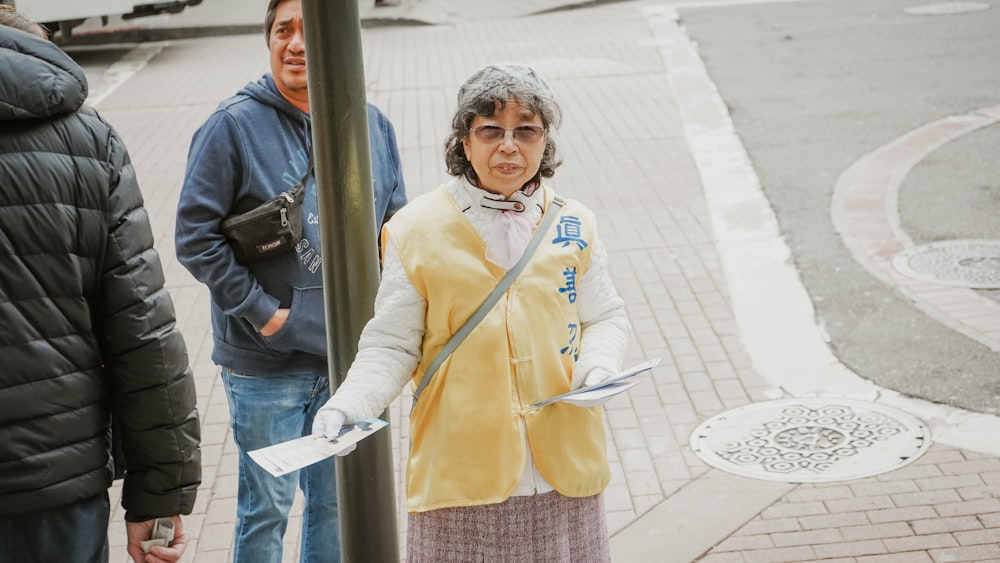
(675, 530)
(144, 35)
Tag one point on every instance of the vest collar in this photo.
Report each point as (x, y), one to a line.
(518, 202)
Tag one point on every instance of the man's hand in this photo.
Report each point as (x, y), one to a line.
(277, 321)
(139, 532)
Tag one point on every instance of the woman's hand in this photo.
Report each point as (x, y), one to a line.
(328, 423)
(596, 376)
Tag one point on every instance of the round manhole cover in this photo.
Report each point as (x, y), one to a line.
(963, 263)
(946, 8)
(810, 440)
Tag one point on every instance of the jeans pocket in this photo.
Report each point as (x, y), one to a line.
(305, 328)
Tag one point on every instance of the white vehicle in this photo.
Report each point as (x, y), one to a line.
(64, 15)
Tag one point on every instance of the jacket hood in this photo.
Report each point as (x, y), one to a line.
(37, 79)
(265, 92)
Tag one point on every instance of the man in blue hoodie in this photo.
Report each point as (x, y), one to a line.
(268, 317)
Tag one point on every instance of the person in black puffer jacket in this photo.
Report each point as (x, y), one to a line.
(88, 331)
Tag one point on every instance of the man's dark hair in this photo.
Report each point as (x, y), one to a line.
(272, 8)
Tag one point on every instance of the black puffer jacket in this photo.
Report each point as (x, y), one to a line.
(86, 327)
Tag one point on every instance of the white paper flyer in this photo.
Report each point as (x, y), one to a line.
(289, 456)
(598, 393)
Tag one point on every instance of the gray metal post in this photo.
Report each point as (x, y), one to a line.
(365, 488)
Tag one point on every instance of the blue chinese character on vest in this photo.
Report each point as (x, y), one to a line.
(574, 347)
(568, 231)
(570, 288)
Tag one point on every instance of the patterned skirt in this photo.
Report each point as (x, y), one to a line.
(547, 528)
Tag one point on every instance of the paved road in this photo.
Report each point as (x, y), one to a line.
(815, 86)
(710, 281)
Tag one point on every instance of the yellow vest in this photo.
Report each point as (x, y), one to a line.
(467, 439)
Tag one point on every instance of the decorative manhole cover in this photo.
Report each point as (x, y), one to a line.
(947, 8)
(810, 440)
(963, 263)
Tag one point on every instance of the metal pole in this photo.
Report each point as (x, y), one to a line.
(365, 487)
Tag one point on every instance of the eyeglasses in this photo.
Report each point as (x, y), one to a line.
(523, 134)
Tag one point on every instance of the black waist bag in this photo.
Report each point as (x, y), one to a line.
(268, 230)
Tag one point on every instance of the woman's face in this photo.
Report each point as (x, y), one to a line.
(505, 161)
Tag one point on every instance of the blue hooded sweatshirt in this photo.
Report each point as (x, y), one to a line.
(253, 147)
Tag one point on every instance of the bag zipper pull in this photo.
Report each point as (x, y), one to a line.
(284, 216)
(288, 196)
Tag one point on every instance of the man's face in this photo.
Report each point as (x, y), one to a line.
(288, 51)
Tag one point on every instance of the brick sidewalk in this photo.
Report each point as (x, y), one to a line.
(626, 156)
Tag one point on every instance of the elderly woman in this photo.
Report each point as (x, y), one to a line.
(491, 478)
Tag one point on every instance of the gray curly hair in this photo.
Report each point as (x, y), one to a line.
(479, 96)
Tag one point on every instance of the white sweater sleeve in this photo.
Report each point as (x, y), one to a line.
(604, 323)
(389, 348)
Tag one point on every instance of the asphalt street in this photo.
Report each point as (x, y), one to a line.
(814, 86)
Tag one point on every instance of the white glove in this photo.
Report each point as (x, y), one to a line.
(328, 423)
(596, 376)
(349, 449)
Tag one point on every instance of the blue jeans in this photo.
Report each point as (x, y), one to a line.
(78, 532)
(266, 410)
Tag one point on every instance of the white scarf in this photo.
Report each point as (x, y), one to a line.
(511, 230)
